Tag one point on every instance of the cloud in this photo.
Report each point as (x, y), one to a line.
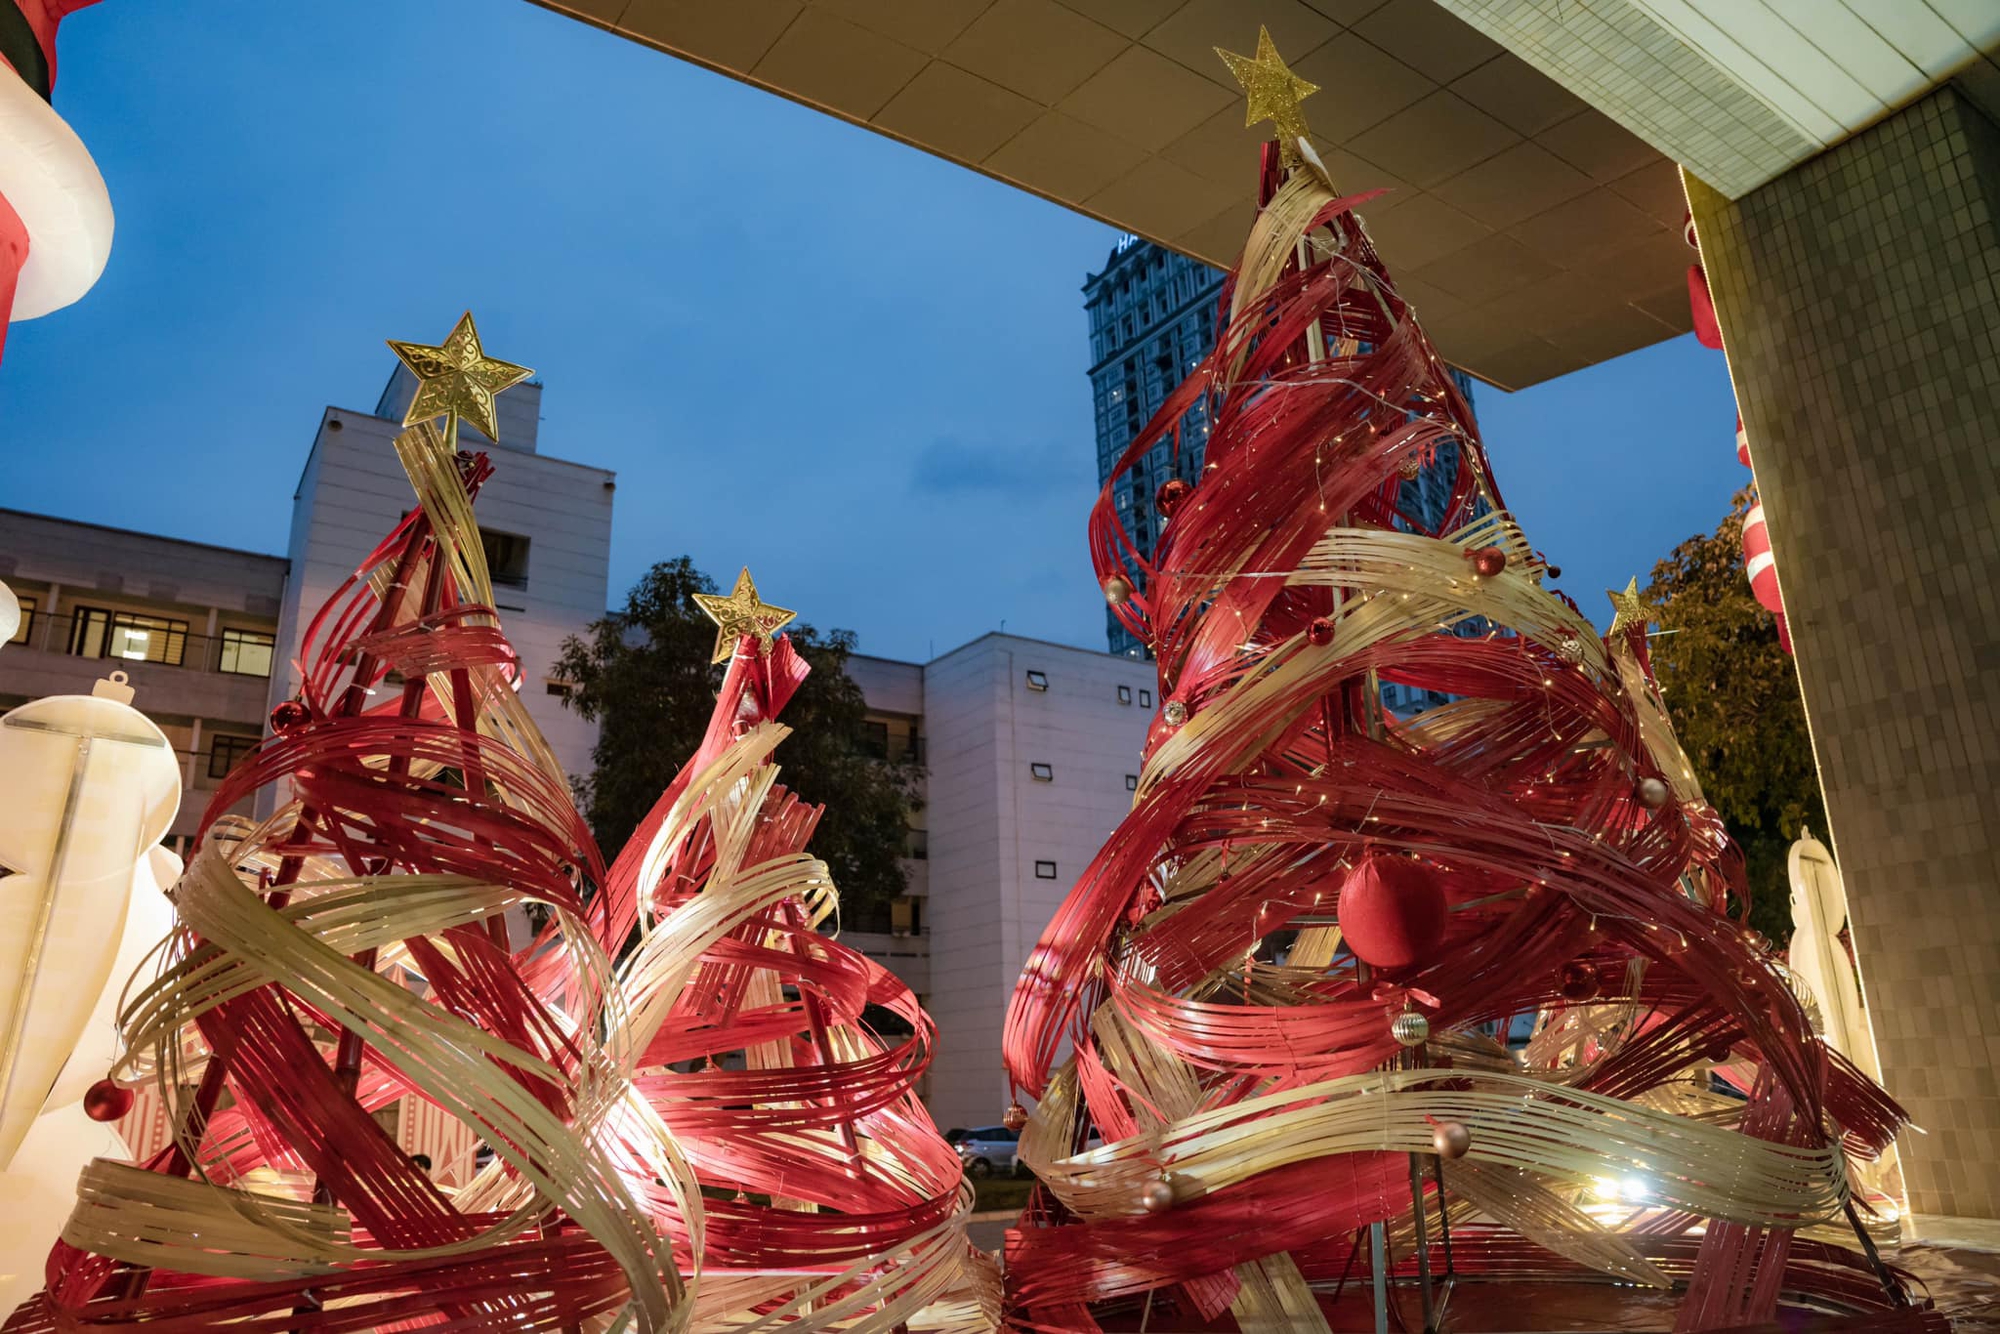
(950, 467)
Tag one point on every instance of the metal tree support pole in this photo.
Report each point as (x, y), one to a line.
(1888, 1280)
(1378, 1264)
(1423, 1242)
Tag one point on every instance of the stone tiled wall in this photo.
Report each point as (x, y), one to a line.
(1859, 297)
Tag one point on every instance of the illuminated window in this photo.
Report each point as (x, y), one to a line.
(1045, 870)
(246, 652)
(97, 633)
(28, 605)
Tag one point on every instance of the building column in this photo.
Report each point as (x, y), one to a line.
(1859, 297)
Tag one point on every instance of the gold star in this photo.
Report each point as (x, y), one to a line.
(1628, 609)
(458, 380)
(1273, 91)
(742, 613)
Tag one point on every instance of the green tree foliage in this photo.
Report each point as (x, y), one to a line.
(1733, 693)
(643, 675)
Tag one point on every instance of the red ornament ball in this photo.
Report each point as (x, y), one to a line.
(1014, 1117)
(1392, 911)
(1172, 495)
(1579, 982)
(105, 1101)
(1320, 632)
(1117, 590)
(290, 715)
(1489, 561)
(1450, 1139)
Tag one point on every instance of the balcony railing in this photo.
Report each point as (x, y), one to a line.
(155, 642)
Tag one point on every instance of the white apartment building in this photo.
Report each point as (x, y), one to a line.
(1033, 756)
(191, 625)
(546, 521)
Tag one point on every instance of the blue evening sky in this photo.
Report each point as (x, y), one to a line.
(856, 367)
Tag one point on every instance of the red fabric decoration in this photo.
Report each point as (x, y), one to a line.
(1392, 912)
(1742, 442)
(1758, 563)
(1706, 331)
(13, 254)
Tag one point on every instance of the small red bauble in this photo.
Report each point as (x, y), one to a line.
(1392, 911)
(1489, 561)
(1117, 589)
(1579, 982)
(1172, 495)
(1320, 632)
(105, 1101)
(1015, 1117)
(290, 715)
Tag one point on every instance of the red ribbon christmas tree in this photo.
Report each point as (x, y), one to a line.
(1274, 992)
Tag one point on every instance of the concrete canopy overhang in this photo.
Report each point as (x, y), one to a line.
(1533, 234)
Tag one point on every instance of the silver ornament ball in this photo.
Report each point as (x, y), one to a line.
(1410, 1028)
(1175, 713)
(1654, 793)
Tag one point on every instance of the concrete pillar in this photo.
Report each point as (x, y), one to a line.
(1859, 297)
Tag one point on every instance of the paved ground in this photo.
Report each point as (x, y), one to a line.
(1965, 1283)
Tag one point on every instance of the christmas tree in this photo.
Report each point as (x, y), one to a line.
(782, 1064)
(352, 950)
(1281, 992)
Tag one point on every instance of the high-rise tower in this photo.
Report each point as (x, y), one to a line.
(1152, 319)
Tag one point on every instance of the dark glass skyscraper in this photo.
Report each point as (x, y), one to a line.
(1152, 320)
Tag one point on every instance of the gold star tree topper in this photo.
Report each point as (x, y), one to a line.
(457, 380)
(1628, 609)
(742, 613)
(1272, 91)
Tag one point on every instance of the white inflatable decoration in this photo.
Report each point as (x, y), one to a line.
(10, 615)
(50, 184)
(87, 786)
(36, 1195)
(1819, 911)
(1820, 961)
(148, 920)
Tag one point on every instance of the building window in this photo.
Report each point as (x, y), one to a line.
(97, 633)
(1145, 699)
(28, 605)
(560, 689)
(1124, 694)
(226, 752)
(506, 558)
(1038, 680)
(917, 845)
(247, 652)
(875, 738)
(1042, 773)
(1045, 870)
(1131, 782)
